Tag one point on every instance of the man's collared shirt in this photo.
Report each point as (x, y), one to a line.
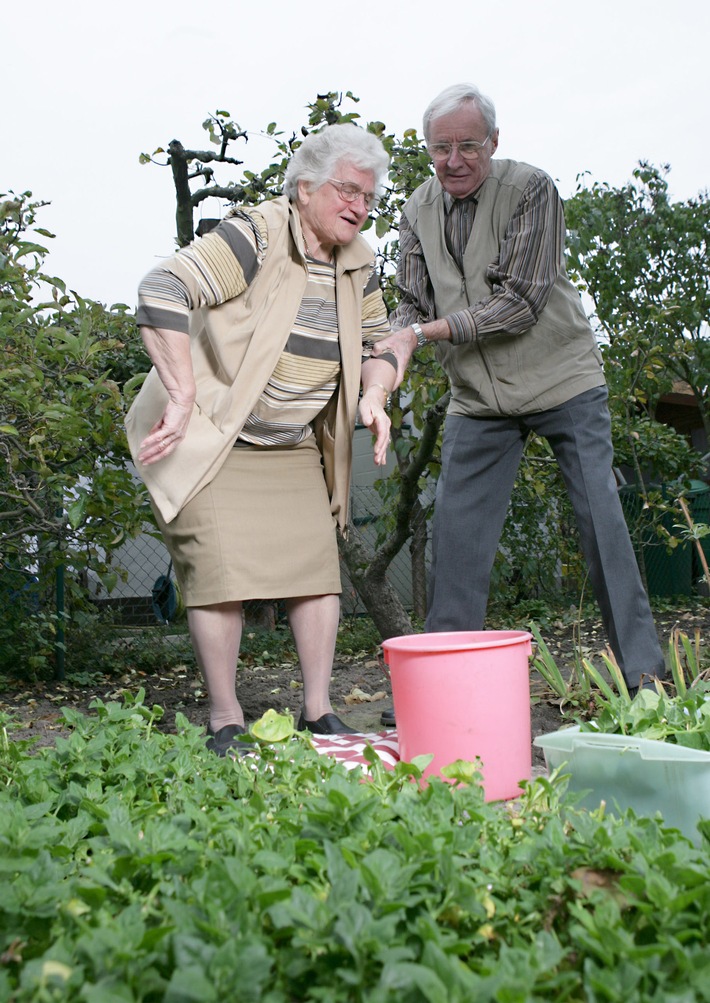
(522, 276)
(459, 216)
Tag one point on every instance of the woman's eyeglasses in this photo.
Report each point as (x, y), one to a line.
(351, 193)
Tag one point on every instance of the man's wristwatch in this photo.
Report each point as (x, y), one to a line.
(421, 340)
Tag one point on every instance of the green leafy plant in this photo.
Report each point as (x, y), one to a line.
(66, 495)
(267, 647)
(27, 642)
(67, 498)
(683, 719)
(136, 866)
(643, 260)
(685, 660)
(575, 690)
(152, 650)
(545, 664)
(676, 711)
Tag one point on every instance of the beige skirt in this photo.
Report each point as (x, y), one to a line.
(262, 529)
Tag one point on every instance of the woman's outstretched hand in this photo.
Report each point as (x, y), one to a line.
(374, 417)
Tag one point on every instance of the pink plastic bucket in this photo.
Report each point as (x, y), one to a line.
(461, 695)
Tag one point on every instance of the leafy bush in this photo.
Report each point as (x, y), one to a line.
(152, 650)
(357, 635)
(67, 496)
(92, 647)
(137, 867)
(27, 643)
(264, 646)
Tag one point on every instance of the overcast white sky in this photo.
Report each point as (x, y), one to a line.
(86, 87)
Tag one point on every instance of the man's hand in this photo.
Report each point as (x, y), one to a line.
(401, 344)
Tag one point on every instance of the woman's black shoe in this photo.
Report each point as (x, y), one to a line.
(226, 740)
(328, 724)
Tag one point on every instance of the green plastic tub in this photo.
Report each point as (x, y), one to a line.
(627, 772)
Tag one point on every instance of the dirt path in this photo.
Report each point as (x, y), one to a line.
(360, 687)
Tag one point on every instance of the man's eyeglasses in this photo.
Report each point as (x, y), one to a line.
(351, 193)
(469, 149)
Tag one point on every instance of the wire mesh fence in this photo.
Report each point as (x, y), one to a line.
(147, 592)
(670, 562)
(146, 597)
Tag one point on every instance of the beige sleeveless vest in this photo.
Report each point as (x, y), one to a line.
(235, 348)
(503, 374)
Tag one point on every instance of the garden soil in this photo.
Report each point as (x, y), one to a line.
(360, 688)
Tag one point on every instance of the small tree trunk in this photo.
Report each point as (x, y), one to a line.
(369, 578)
(183, 197)
(417, 550)
(368, 568)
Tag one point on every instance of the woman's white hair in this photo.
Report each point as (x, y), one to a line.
(452, 99)
(316, 158)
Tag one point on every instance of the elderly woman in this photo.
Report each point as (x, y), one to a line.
(260, 336)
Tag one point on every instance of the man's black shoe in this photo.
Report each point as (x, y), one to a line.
(387, 718)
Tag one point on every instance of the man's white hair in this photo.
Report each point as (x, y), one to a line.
(452, 99)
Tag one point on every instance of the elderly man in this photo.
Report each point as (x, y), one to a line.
(481, 274)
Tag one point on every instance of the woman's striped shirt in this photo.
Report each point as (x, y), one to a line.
(220, 266)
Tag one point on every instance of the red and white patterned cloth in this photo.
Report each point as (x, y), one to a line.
(349, 749)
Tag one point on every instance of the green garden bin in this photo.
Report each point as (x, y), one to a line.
(650, 777)
(699, 505)
(668, 572)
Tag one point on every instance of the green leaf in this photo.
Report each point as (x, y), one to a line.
(273, 727)
(76, 511)
(382, 226)
(463, 771)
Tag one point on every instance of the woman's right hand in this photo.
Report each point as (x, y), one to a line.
(170, 354)
(164, 436)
